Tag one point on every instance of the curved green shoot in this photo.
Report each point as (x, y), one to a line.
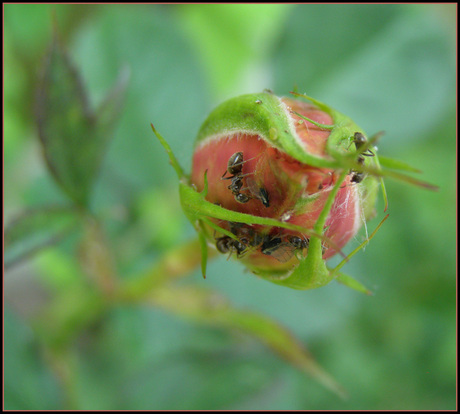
(172, 158)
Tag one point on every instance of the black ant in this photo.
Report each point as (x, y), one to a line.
(246, 234)
(359, 140)
(281, 250)
(234, 168)
(246, 238)
(298, 242)
(235, 164)
(356, 176)
(226, 244)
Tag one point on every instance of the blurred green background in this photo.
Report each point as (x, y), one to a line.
(388, 67)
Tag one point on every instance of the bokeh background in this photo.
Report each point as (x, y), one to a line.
(388, 67)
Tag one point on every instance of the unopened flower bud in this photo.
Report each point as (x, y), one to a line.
(283, 184)
(281, 158)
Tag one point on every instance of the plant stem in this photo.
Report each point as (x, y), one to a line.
(174, 264)
(96, 258)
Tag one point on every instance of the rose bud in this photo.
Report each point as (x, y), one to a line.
(288, 160)
(283, 185)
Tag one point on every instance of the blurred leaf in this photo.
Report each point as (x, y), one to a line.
(73, 137)
(71, 313)
(28, 25)
(207, 307)
(111, 108)
(160, 217)
(143, 357)
(167, 87)
(388, 66)
(35, 230)
(232, 39)
(174, 264)
(59, 271)
(14, 131)
(28, 384)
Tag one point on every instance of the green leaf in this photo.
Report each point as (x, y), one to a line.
(28, 382)
(350, 66)
(209, 308)
(111, 108)
(267, 116)
(35, 230)
(74, 138)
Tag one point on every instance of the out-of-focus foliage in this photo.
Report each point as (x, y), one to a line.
(389, 67)
(74, 136)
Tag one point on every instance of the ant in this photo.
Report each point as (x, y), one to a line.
(245, 234)
(298, 242)
(234, 169)
(281, 250)
(247, 238)
(356, 176)
(360, 140)
(226, 244)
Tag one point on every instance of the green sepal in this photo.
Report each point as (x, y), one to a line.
(204, 253)
(397, 165)
(352, 283)
(342, 133)
(264, 115)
